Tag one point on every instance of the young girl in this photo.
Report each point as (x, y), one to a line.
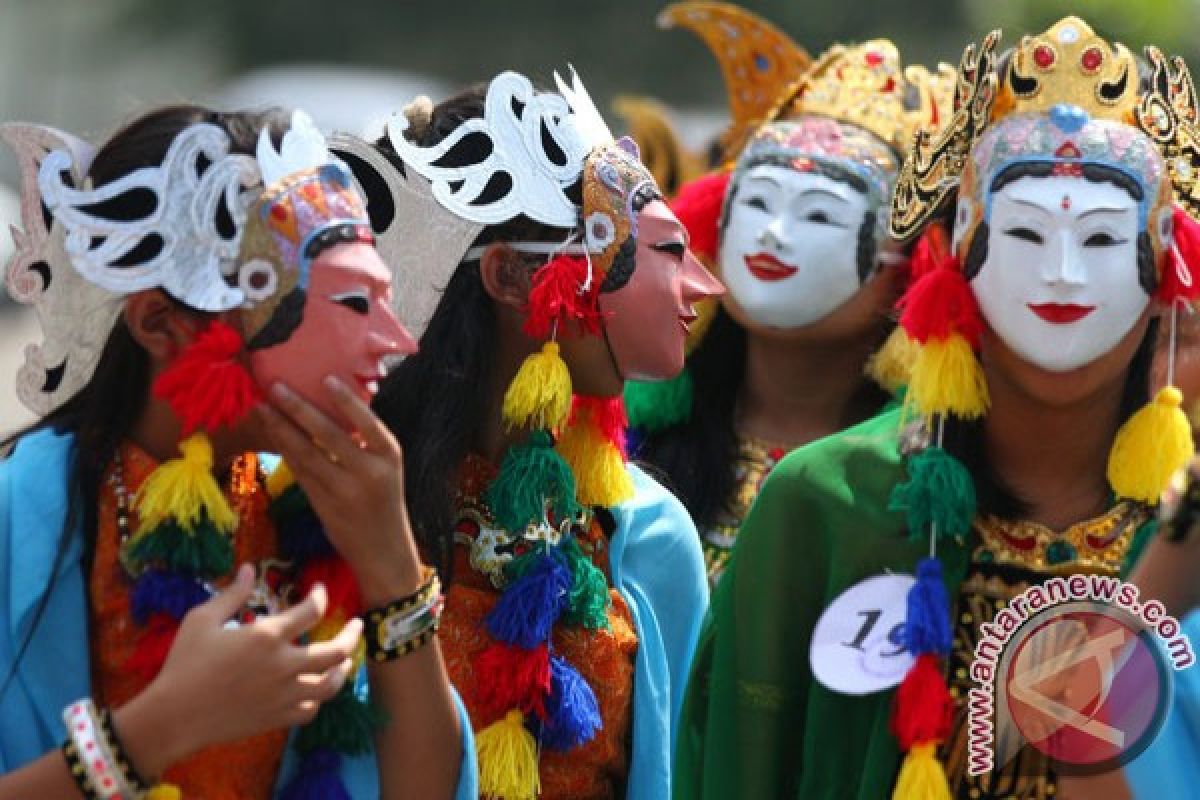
(192, 259)
(578, 584)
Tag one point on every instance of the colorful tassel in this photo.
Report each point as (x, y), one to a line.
(607, 415)
(160, 591)
(657, 405)
(507, 754)
(345, 724)
(540, 394)
(927, 626)
(923, 710)
(302, 536)
(922, 776)
(572, 714)
(280, 480)
(512, 677)
(939, 495)
(525, 612)
(531, 476)
(206, 386)
(202, 551)
(599, 468)
(318, 777)
(150, 652)
(555, 297)
(948, 379)
(1179, 282)
(1150, 447)
(891, 367)
(184, 488)
(339, 582)
(164, 791)
(589, 600)
(938, 304)
(698, 206)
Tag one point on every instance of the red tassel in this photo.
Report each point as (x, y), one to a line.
(555, 297)
(923, 709)
(938, 304)
(206, 386)
(152, 647)
(339, 581)
(606, 413)
(931, 251)
(1179, 281)
(698, 207)
(511, 677)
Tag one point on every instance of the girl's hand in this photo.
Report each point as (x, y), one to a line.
(354, 479)
(222, 684)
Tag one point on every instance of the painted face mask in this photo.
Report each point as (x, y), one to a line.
(318, 294)
(802, 227)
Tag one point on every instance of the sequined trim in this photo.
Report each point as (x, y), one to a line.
(755, 459)
(1093, 546)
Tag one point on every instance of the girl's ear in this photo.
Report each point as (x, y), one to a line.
(159, 324)
(505, 276)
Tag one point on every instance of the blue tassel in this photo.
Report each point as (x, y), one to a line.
(162, 591)
(318, 777)
(302, 538)
(572, 715)
(529, 606)
(927, 627)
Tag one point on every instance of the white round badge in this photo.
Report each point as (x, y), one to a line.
(857, 647)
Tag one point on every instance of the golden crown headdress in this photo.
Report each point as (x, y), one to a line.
(1054, 86)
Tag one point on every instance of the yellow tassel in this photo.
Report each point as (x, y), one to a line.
(947, 378)
(892, 366)
(182, 488)
(1150, 447)
(280, 480)
(540, 395)
(164, 791)
(600, 475)
(508, 765)
(921, 776)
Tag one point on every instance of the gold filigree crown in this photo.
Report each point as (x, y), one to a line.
(865, 85)
(1070, 64)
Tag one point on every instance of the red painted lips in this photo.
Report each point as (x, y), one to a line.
(767, 267)
(1061, 313)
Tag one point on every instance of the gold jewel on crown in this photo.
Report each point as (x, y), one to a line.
(1070, 64)
(865, 85)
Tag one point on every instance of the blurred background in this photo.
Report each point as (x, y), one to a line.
(88, 65)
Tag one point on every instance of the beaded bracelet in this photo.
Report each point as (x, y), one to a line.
(94, 758)
(405, 625)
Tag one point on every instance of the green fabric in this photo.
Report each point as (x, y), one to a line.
(754, 722)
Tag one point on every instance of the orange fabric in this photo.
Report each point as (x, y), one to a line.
(239, 771)
(605, 658)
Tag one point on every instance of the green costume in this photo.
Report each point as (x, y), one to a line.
(755, 723)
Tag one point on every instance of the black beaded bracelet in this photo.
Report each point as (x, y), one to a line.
(132, 777)
(404, 625)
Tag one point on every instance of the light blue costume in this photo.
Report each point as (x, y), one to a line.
(54, 670)
(658, 567)
(1170, 766)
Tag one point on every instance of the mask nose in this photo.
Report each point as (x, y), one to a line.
(1064, 263)
(696, 281)
(388, 337)
(773, 235)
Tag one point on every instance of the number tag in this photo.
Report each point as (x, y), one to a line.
(857, 647)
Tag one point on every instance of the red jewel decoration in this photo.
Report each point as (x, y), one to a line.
(1091, 59)
(1044, 56)
(874, 59)
(279, 212)
(90, 746)
(890, 86)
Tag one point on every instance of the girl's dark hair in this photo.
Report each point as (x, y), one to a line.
(434, 401)
(102, 414)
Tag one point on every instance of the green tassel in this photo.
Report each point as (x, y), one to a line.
(203, 551)
(655, 405)
(939, 492)
(589, 599)
(345, 724)
(532, 474)
(291, 502)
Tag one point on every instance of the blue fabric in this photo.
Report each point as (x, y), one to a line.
(1170, 766)
(658, 567)
(54, 670)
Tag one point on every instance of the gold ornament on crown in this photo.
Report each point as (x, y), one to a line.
(1068, 64)
(865, 85)
(757, 60)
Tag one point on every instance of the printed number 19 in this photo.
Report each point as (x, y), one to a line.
(895, 635)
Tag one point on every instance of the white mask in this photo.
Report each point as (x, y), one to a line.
(789, 250)
(1060, 282)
